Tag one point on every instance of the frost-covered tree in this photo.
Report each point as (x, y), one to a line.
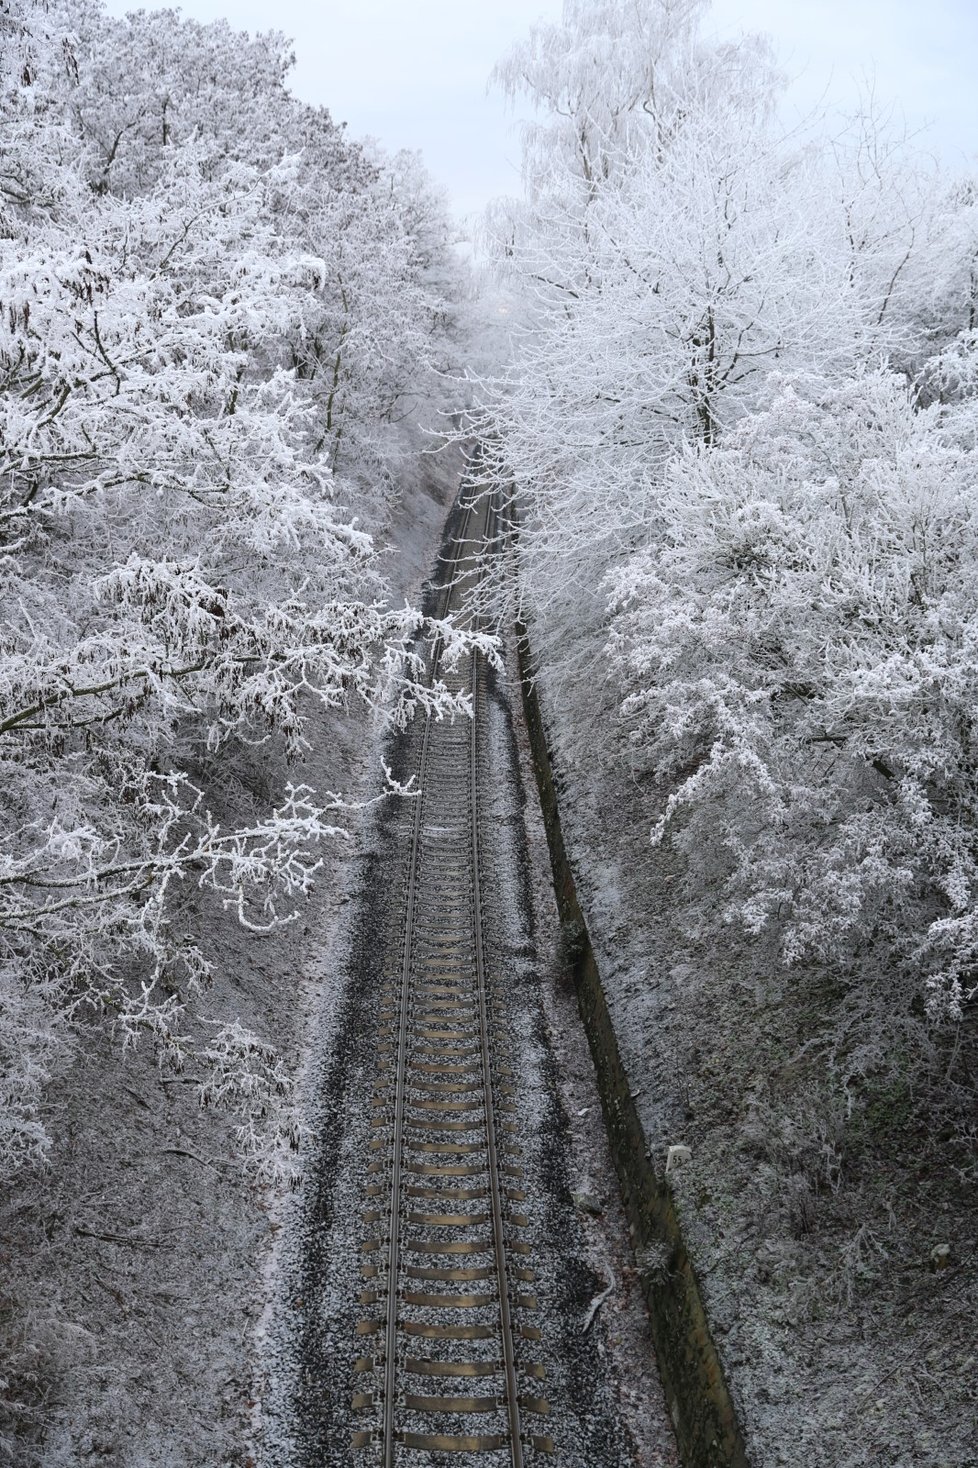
(676, 248)
(141, 87)
(718, 418)
(801, 637)
(182, 568)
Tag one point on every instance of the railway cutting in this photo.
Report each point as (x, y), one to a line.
(443, 1289)
(448, 1271)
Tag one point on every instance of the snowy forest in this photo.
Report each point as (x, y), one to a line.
(741, 429)
(739, 425)
(220, 319)
(735, 409)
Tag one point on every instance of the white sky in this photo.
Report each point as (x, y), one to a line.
(413, 73)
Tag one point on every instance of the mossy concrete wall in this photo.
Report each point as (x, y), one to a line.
(699, 1401)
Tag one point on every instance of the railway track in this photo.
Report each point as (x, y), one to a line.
(447, 1305)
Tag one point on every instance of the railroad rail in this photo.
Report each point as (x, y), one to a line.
(447, 1299)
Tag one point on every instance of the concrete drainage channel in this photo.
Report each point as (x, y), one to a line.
(699, 1401)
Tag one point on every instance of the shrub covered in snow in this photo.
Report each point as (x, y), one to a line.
(799, 644)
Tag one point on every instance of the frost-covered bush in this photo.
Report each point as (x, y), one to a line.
(798, 645)
(196, 309)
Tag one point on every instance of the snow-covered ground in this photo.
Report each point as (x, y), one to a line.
(622, 1318)
(813, 1240)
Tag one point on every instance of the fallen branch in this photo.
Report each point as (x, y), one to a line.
(117, 1295)
(194, 1157)
(598, 1301)
(134, 1243)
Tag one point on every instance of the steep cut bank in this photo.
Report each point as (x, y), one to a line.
(699, 1401)
(833, 1250)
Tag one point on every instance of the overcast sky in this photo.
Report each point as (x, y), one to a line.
(413, 73)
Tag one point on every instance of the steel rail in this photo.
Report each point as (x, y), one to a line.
(495, 1192)
(388, 1428)
(421, 1053)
